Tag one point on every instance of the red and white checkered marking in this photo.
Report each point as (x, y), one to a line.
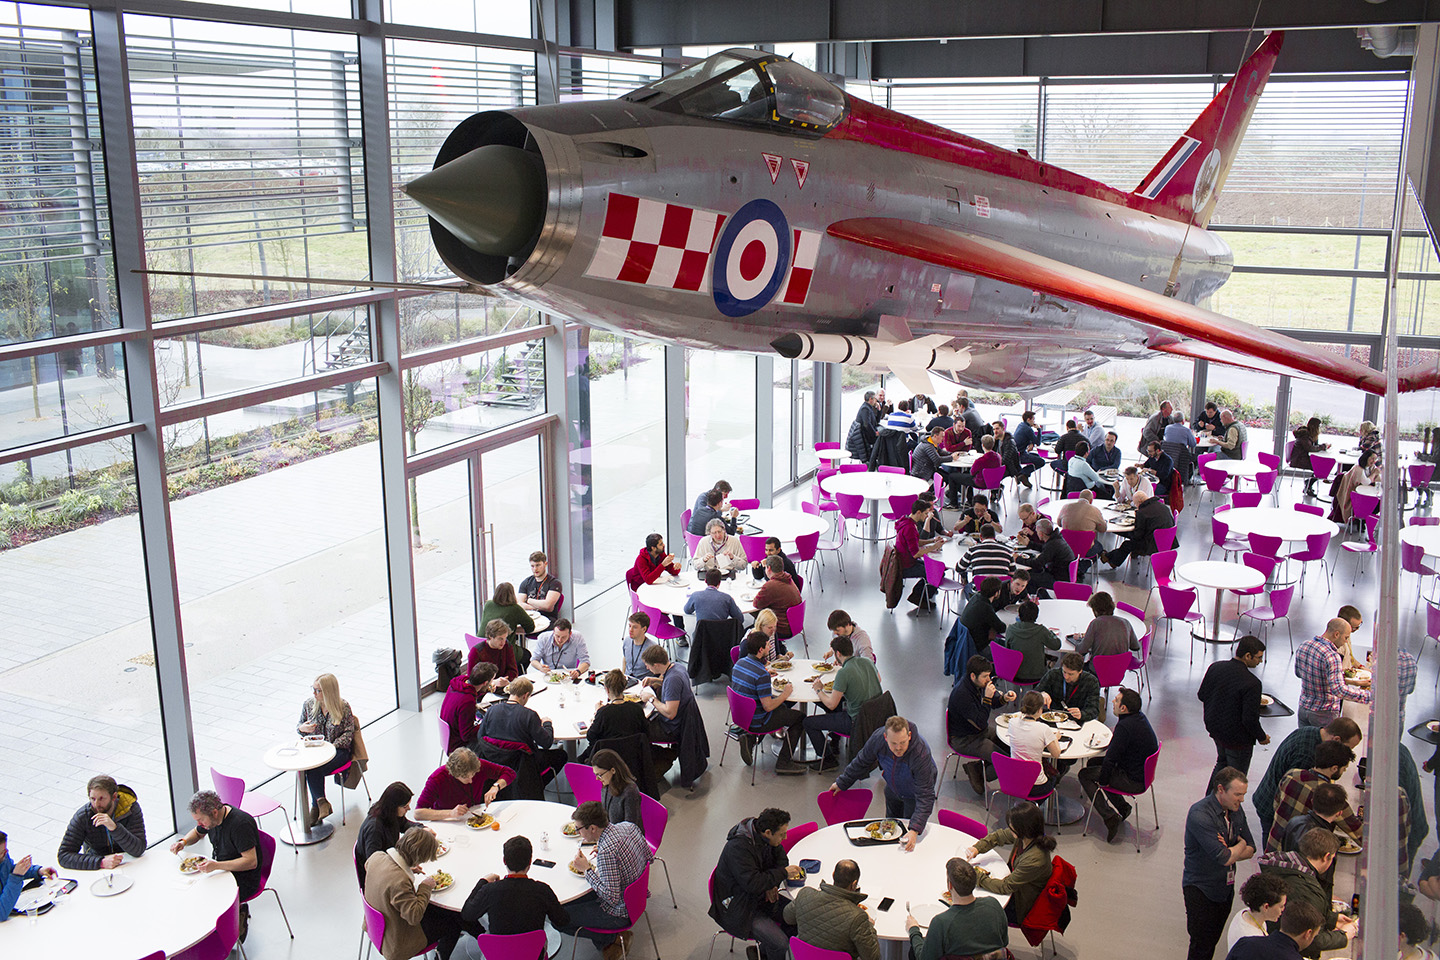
(655, 243)
(806, 247)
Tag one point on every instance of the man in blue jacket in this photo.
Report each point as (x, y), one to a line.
(908, 766)
(14, 876)
(1216, 839)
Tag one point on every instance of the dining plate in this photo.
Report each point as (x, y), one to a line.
(1004, 719)
(1055, 716)
(1433, 726)
(442, 880)
(1350, 847)
(578, 873)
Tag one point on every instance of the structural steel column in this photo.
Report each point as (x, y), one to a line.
(133, 297)
(555, 461)
(385, 340)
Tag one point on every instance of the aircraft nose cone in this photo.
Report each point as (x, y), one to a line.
(492, 198)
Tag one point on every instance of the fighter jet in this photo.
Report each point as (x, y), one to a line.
(747, 203)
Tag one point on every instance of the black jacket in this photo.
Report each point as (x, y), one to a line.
(513, 905)
(376, 836)
(1054, 558)
(1231, 694)
(862, 433)
(749, 866)
(85, 845)
(969, 711)
(1130, 746)
(1154, 514)
(1163, 467)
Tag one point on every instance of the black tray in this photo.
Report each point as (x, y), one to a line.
(865, 841)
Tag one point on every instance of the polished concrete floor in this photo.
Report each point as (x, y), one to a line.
(1129, 905)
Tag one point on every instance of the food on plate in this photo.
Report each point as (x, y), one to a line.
(1055, 716)
(1266, 700)
(824, 667)
(442, 879)
(883, 830)
(441, 850)
(191, 864)
(1004, 719)
(1350, 846)
(480, 821)
(570, 829)
(830, 687)
(578, 873)
(781, 665)
(556, 676)
(632, 698)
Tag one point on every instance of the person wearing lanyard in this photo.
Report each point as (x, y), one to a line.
(1216, 838)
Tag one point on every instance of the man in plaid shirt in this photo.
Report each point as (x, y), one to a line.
(1292, 798)
(621, 855)
(1323, 689)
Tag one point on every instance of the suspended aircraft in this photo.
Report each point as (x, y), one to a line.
(747, 203)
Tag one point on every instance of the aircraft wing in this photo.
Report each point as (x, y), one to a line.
(1252, 346)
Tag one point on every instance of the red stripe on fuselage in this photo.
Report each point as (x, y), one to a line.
(880, 127)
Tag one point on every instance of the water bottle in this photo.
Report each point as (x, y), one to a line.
(545, 840)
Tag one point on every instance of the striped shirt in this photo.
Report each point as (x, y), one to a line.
(988, 558)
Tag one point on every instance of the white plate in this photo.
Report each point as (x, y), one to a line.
(1266, 700)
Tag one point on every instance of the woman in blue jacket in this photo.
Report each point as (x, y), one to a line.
(14, 876)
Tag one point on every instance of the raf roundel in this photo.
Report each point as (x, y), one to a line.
(751, 259)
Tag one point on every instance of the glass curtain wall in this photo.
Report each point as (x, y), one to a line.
(719, 422)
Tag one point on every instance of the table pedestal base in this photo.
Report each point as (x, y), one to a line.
(303, 838)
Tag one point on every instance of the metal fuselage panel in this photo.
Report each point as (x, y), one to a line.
(1018, 339)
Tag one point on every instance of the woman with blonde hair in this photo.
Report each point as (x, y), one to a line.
(769, 624)
(450, 791)
(512, 734)
(325, 714)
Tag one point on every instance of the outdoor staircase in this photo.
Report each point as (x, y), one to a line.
(522, 385)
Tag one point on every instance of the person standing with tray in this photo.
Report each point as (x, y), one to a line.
(908, 766)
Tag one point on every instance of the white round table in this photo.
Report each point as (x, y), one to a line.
(876, 487)
(1219, 575)
(835, 456)
(785, 525)
(1117, 519)
(1291, 526)
(887, 870)
(1427, 538)
(162, 910)
(1239, 468)
(475, 853)
(1090, 740)
(567, 705)
(298, 756)
(1369, 490)
(1072, 617)
(668, 594)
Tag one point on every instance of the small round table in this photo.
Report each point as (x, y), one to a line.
(800, 674)
(1072, 617)
(1090, 740)
(833, 455)
(300, 756)
(1219, 575)
(1236, 469)
(875, 487)
(784, 525)
(1118, 519)
(887, 870)
(162, 910)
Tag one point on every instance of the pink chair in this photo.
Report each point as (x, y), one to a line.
(1008, 663)
(1277, 609)
(1424, 521)
(835, 545)
(827, 445)
(1080, 541)
(935, 576)
(472, 641)
(1270, 460)
(1266, 566)
(1220, 537)
(805, 546)
(1419, 475)
(750, 504)
(446, 732)
(852, 468)
(800, 950)
(889, 469)
(266, 852)
(636, 894)
(661, 627)
(950, 752)
(231, 791)
(1215, 480)
(958, 821)
(1310, 508)
(511, 946)
(1072, 591)
(685, 518)
(1367, 546)
(1321, 468)
(1363, 505)
(754, 547)
(819, 499)
(1141, 664)
(1432, 629)
(1412, 560)
(1165, 539)
(692, 542)
(1265, 485)
(1241, 499)
(1016, 778)
(220, 944)
(900, 505)
(1162, 565)
(992, 483)
(844, 806)
(654, 816)
(1110, 668)
(584, 785)
(1176, 604)
(1317, 547)
(795, 616)
(1151, 763)
(795, 834)
(375, 927)
(851, 506)
(742, 715)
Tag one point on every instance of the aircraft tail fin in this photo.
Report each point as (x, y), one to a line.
(1189, 176)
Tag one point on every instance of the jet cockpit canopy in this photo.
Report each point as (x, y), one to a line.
(750, 87)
